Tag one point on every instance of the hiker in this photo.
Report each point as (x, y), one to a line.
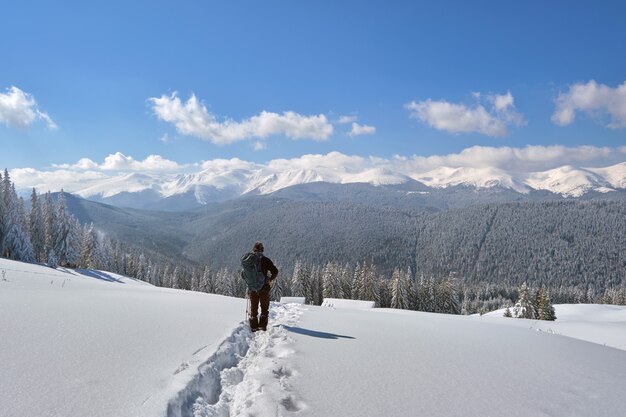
(256, 271)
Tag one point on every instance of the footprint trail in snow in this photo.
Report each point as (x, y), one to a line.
(249, 375)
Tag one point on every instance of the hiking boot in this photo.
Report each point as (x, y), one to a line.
(254, 324)
(263, 322)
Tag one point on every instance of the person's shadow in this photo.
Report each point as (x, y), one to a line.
(315, 333)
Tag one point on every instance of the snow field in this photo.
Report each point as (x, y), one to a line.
(90, 343)
(384, 362)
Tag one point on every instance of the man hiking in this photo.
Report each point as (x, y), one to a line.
(258, 272)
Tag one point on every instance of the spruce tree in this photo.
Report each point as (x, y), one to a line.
(331, 281)
(36, 227)
(369, 290)
(206, 282)
(297, 280)
(524, 307)
(89, 248)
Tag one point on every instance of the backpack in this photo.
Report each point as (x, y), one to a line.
(251, 271)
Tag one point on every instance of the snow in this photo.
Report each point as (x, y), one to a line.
(598, 323)
(615, 175)
(476, 177)
(568, 181)
(91, 343)
(97, 344)
(352, 304)
(402, 363)
(289, 300)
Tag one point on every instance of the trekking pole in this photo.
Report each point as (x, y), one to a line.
(247, 306)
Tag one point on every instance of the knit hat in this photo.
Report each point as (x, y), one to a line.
(258, 247)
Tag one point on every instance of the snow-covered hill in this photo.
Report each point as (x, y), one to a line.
(78, 343)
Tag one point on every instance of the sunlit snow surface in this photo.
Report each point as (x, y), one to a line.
(97, 344)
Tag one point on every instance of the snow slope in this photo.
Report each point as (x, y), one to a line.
(95, 344)
(597, 323)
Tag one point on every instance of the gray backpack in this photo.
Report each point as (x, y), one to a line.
(251, 271)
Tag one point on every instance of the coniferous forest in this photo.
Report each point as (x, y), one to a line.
(43, 230)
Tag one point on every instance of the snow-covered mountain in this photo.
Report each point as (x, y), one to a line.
(216, 184)
(570, 181)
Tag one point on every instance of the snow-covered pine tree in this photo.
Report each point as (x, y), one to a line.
(543, 306)
(52, 260)
(166, 277)
(430, 301)
(369, 290)
(1, 214)
(5, 197)
(206, 282)
(400, 290)
(48, 221)
(346, 281)
(297, 280)
(420, 294)
(447, 297)
(176, 277)
(16, 242)
(357, 282)
(277, 289)
(507, 312)
(524, 307)
(88, 256)
(36, 227)
(314, 289)
(331, 284)
(65, 247)
(384, 292)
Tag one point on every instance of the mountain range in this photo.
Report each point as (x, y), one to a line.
(179, 192)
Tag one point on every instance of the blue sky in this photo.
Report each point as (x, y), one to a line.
(406, 73)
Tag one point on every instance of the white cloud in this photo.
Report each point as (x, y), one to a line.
(192, 118)
(120, 162)
(343, 120)
(19, 109)
(222, 165)
(259, 145)
(55, 180)
(358, 129)
(527, 159)
(459, 118)
(594, 99)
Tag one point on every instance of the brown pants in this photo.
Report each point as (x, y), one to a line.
(262, 297)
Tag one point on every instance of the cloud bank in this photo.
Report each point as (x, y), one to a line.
(493, 121)
(593, 99)
(19, 109)
(120, 162)
(192, 118)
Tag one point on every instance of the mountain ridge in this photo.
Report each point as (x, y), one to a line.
(176, 192)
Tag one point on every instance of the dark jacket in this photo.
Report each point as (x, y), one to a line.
(267, 267)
